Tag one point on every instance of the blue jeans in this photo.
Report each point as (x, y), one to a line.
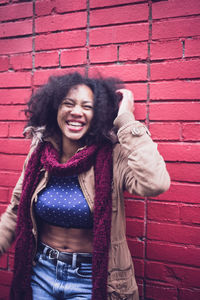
(53, 279)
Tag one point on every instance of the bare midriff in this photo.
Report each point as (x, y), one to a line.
(66, 239)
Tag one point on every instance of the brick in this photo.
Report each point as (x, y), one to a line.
(139, 267)
(117, 15)
(41, 76)
(4, 195)
(175, 111)
(134, 72)
(176, 28)
(15, 79)
(16, 11)
(136, 248)
(183, 152)
(134, 208)
(190, 214)
(3, 129)
(16, 129)
(162, 211)
(181, 192)
(187, 255)
(100, 3)
(185, 294)
(8, 179)
(60, 40)
(4, 63)
(119, 34)
(17, 45)
(12, 112)
(174, 233)
(166, 50)
(63, 6)
(73, 57)
(179, 276)
(161, 292)
(21, 61)
(14, 96)
(140, 112)
(175, 70)
(139, 90)
(47, 7)
(135, 228)
(189, 172)
(165, 131)
(172, 8)
(192, 47)
(191, 131)
(47, 59)
(14, 146)
(173, 90)
(136, 51)
(15, 28)
(9, 163)
(61, 22)
(103, 54)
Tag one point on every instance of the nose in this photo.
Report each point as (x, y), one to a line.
(77, 110)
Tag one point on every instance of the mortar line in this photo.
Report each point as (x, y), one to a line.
(147, 123)
(33, 45)
(88, 38)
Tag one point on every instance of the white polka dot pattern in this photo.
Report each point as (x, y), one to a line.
(62, 203)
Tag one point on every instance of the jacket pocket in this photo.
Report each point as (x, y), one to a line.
(121, 283)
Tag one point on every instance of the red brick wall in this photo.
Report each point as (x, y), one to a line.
(154, 46)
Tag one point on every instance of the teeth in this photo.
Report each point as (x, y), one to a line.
(75, 123)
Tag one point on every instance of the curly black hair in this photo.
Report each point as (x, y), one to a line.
(43, 105)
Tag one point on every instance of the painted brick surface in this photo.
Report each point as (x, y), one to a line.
(154, 46)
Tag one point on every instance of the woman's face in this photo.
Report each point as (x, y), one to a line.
(75, 113)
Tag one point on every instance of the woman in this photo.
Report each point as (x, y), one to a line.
(87, 149)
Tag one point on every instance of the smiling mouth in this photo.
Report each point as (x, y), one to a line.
(75, 126)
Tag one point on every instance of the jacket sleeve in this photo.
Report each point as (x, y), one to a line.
(142, 167)
(8, 219)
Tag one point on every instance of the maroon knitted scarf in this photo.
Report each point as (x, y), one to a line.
(45, 156)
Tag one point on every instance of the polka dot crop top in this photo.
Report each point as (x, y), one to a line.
(62, 203)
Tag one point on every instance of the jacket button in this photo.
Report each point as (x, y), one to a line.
(136, 131)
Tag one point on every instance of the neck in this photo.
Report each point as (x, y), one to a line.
(69, 148)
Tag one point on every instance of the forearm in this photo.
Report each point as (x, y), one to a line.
(145, 169)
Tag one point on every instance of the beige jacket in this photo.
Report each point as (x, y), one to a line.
(137, 168)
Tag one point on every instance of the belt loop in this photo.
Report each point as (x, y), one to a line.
(74, 259)
(44, 252)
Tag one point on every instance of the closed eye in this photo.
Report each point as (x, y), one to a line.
(88, 107)
(68, 103)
